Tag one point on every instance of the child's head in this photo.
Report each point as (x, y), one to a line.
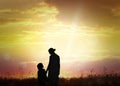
(40, 66)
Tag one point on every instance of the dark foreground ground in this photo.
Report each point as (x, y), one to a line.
(106, 80)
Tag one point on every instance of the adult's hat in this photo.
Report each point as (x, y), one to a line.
(51, 50)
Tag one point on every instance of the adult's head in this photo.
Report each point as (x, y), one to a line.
(51, 51)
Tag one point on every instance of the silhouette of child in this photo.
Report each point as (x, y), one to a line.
(41, 75)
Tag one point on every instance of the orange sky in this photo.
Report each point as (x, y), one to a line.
(85, 34)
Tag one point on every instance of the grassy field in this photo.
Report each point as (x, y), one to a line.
(104, 80)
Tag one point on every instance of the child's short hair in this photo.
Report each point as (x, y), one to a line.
(40, 66)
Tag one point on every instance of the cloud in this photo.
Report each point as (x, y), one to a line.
(39, 13)
(89, 12)
(14, 22)
(19, 4)
(15, 68)
(116, 11)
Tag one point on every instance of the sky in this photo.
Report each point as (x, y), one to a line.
(85, 34)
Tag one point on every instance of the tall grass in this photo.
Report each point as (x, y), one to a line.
(91, 80)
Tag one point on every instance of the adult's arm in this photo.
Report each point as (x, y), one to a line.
(48, 67)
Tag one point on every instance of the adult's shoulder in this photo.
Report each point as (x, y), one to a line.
(56, 55)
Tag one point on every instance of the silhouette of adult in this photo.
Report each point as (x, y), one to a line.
(53, 68)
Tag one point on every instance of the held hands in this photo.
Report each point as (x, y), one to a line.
(46, 72)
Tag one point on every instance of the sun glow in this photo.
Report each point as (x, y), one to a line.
(74, 42)
(71, 43)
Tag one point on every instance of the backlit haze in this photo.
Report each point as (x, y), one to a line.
(85, 34)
